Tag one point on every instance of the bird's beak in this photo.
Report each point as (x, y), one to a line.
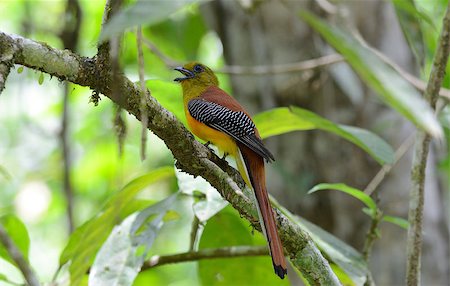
(188, 74)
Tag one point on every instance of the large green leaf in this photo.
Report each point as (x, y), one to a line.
(228, 229)
(409, 17)
(18, 234)
(86, 240)
(279, 121)
(121, 257)
(141, 13)
(282, 120)
(344, 256)
(392, 88)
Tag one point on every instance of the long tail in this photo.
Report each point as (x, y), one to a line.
(254, 171)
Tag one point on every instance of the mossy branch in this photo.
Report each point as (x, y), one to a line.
(417, 194)
(192, 157)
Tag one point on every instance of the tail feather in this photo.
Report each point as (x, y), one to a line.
(254, 169)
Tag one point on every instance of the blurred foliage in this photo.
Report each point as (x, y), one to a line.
(111, 191)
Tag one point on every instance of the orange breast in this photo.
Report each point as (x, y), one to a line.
(224, 142)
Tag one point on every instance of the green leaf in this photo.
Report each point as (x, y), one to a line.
(20, 70)
(19, 235)
(41, 79)
(121, 257)
(282, 120)
(358, 194)
(341, 275)
(409, 7)
(141, 13)
(392, 88)
(401, 222)
(228, 229)
(279, 121)
(409, 18)
(344, 256)
(370, 142)
(86, 240)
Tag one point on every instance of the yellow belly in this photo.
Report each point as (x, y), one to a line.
(225, 143)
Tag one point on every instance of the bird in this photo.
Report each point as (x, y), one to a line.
(216, 117)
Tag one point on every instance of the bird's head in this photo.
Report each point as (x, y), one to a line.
(196, 75)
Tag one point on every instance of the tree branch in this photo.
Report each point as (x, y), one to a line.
(192, 157)
(416, 203)
(18, 258)
(214, 253)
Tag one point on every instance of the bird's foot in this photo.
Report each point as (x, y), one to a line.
(225, 156)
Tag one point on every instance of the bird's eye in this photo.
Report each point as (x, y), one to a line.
(198, 68)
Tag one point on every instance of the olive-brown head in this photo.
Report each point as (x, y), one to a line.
(197, 77)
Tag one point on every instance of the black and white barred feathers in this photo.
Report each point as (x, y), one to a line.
(234, 123)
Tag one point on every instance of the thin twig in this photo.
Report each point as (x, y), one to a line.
(257, 70)
(416, 82)
(18, 258)
(225, 252)
(170, 63)
(283, 68)
(195, 227)
(327, 6)
(416, 203)
(302, 66)
(143, 91)
(399, 153)
(372, 234)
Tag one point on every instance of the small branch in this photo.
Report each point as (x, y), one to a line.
(416, 202)
(256, 70)
(226, 252)
(170, 63)
(327, 6)
(372, 234)
(18, 258)
(143, 91)
(284, 68)
(416, 82)
(379, 177)
(120, 127)
(195, 227)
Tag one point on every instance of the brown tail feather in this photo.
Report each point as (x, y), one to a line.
(255, 169)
